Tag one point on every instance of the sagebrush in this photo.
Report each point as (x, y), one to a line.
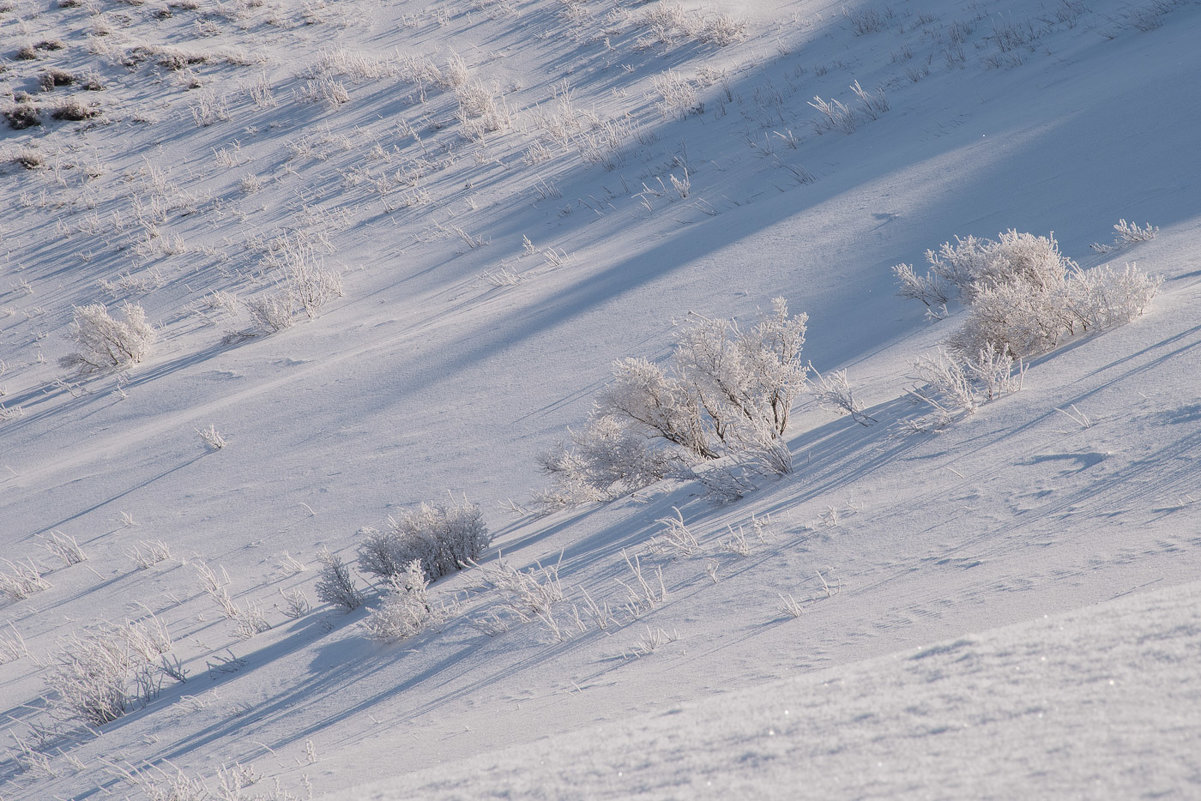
(1023, 296)
(105, 343)
(442, 537)
(725, 391)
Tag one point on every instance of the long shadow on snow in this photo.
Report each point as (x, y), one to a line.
(1041, 154)
(302, 637)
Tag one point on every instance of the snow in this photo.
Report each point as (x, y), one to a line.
(1073, 499)
(1096, 702)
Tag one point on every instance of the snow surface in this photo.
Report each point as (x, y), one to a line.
(1099, 702)
(433, 374)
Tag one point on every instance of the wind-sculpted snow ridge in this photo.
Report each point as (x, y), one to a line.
(1100, 702)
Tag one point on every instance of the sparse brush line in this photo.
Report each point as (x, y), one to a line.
(65, 548)
(647, 592)
(21, 580)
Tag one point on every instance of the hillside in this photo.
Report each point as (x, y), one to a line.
(493, 201)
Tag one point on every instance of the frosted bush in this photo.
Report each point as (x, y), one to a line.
(946, 384)
(668, 22)
(835, 116)
(1013, 317)
(272, 312)
(308, 284)
(954, 384)
(834, 391)
(335, 584)
(89, 676)
(1104, 296)
(762, 447)
(250, 621)
(18, 581)
(647, 399)
(727, 392)
(312, 283)
(530, 594)
(65, 547)
(678, 95)
(481, 110)
(381, 553)
(325, 90)
(974, 265)
(442, 537)
(671, 22)
(722, 30)
(995, 372)
(105, 343)
(873, 103)
(99, 675)
(929, 288)
(405, 609)
(1023, 295)
(212, 439)
(605, 460)
(1128, 233)
(742, 378)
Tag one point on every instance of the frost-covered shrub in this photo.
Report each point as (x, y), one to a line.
(1128, 233)
(381, 553)
(481, 109)
(335, 585)
(1013, 317)
(406, 609)
(89, 676)
(1023, 295)
(74, 111)
(672, 22)
(272, 312)
(1105, 296)
(953, 384)
(312, 283)
(442, 537)
(645, 398)
(97, 676)
(23, 115)
(834, 391)
(744, 379)
(19, 581)
(974, 265)
(604, 460)
(928, 288)
(307, 285)
(725, 392)
(105, 343)
(65, 547)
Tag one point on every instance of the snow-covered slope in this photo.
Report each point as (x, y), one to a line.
(1100, 702)
(648, 160)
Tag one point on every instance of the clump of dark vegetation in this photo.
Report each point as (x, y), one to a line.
(52, 79)
(23, 115)
(29, 159)
(74, 111)
(179, 61)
